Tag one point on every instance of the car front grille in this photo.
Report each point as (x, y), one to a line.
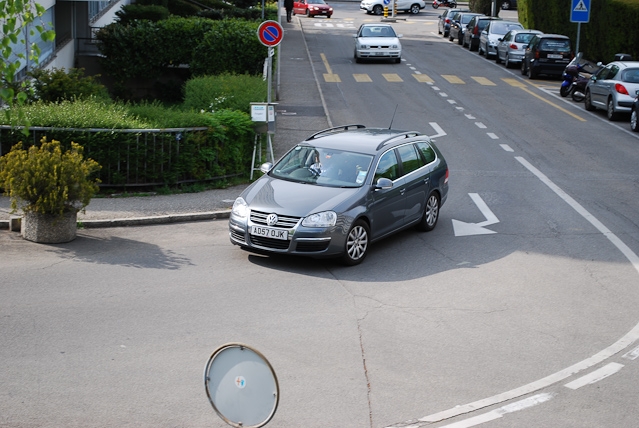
(288, 222)
(275, 244)
(237, 236)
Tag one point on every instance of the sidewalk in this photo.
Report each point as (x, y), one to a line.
(299, 114)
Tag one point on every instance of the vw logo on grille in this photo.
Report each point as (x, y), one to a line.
(271, 219)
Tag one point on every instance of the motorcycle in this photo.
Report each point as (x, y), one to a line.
(445, 3)
(576, 77)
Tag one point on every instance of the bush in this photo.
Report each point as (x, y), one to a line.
(60, 84)
(47, 180)
(230, 46)
(225, 91)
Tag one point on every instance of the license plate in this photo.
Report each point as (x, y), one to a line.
(555, 56)
(267, 232)
(379, 53)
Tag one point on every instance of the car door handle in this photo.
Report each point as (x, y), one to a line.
(426, 180)
(401, 192)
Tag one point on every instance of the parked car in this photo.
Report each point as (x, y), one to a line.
(377, 41)
(377, 6)
(508, 4)
(445, 19)
(458, 25)
(512, 46)
(490, 35)
(547, 54)
(312, 8)
(341, 190)
(634, 114)
(474, 29)
(611, 87)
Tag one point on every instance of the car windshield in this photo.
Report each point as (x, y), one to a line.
(316, 2)
(559, 45)
(465, 19)
(324, 167)
(503, 27)
(377, 31)
(630, 75)
(524, 37)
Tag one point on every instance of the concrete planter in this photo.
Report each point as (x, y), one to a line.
(48, 228)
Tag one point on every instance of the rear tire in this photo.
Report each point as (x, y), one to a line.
(414, 9)
(357, 243)
(431, 214)
(610, 111)
(531, 73)
(378, 10)
(523, 67)
(634, 121)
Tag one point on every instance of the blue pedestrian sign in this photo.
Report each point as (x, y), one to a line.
(580, 11)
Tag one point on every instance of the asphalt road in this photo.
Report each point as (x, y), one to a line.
(530, 322)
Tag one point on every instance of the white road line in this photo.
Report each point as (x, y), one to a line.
(595, 376)
(438, 129)
(498, 413)
(480, 125)
(493, 136)
(625, 341)
(632, 355)
(470, 117)
(506, 147)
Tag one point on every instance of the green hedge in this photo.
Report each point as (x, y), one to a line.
(222, 148)
(224, 91)
(601, 38)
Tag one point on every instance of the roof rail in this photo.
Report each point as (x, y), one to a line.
(408, 134)
(334, 130)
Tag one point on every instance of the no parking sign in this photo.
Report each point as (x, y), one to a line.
(270, 33)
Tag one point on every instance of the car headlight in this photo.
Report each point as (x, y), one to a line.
(363, 46)
(323, 219)
(394, 47)
(240, 208)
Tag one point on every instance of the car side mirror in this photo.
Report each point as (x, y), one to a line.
(355, 36)
(501, 39)
(266, 167)
(383, 184)
(399, 36)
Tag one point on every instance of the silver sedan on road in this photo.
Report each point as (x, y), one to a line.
(341, 190)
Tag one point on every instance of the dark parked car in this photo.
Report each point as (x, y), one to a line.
(547, 54)
(474, 29)
(458, 25)
(508, 4)
(341, 190)
(613, 88)
(443, 25)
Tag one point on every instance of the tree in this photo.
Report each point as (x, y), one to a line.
(17, 17)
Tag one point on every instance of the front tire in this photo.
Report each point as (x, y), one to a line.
(378, 10)
(357, 243)
(532, 74)
(431, 214)
(588, 102)
(414, 9)
(564, 91)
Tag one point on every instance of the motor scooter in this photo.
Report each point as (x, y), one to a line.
(576, 76)
(445, 3)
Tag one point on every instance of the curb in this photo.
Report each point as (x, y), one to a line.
(144, 221)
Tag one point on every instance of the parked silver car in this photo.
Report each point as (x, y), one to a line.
(377, 41)
(491, 34)
(613, 88)
(512, 47)
(341, 190)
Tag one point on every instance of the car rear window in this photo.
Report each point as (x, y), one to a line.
(481, 24)
(524, 37)
(559, 45)
(465, 19)
(630, 75)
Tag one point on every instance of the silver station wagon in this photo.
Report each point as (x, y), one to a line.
(339, 191)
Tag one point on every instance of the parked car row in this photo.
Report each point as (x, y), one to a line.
(614, 88)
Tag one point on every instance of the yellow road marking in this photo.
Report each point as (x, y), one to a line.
(392, 77)
(553, 104)
(362, 78)
(483, 81)
(329, 76)
(453, 79)
(515, 82)
(423, 78)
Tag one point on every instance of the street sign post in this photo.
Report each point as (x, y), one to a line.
(579, 12)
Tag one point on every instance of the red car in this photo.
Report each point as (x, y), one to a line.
(311, 8)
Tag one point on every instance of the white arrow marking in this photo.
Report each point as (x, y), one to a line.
(465, 229)
(438, 129)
